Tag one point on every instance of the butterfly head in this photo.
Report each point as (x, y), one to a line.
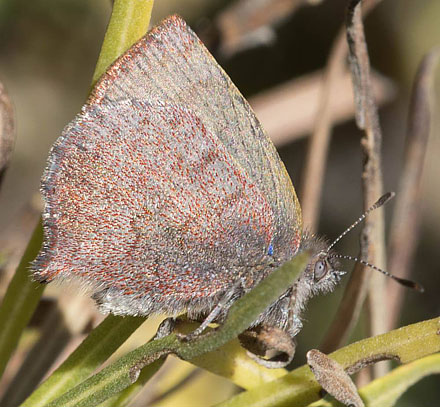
(322, 273)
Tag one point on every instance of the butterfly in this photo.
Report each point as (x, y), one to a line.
(165, 194)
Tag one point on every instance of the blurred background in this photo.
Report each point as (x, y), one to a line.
(48, 51)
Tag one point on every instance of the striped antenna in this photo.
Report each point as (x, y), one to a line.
(403, 281)
(380, 202)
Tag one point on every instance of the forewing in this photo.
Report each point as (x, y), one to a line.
(172, 64)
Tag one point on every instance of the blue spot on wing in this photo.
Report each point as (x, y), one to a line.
(270, 250)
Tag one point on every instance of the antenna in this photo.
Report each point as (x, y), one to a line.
(403, 281)
(380, 202)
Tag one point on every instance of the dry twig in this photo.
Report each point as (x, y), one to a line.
(7, 130)
(368, 120)
(247, 23)
(356, 290)
(406, 220)
(288, 111)
(311, 185)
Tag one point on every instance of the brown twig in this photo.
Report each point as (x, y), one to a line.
(368, 120)
(311, 185)
(357, 287)
(7, 130)
(356, 290)
(288, 111)
(247, 23)
(406, 220)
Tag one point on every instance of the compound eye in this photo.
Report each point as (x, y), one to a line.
(320, 269)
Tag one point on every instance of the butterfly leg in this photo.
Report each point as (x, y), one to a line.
(165, 328)
(223, 305)
(294, 321)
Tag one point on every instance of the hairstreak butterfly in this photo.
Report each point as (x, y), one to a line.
(165, 194)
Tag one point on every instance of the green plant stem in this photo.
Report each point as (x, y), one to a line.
(99, 345)
(299, 388)
(126, 370)
(385, 391)
(123, 398)
(229, 361)
(20, 301)
(129, 22)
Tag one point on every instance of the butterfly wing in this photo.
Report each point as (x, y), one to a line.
(171, 63)
(160, 195)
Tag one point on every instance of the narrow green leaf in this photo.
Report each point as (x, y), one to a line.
(385, 391)
(129, 22)
(99, 345)
(20, 301)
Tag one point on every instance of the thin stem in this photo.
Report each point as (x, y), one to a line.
(129, 22)
(357, 287)
(99, 345)
(404, 234)
(20, 301)
(367, 118)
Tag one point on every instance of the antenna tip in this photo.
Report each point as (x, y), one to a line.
(419, 288)
(385, 198)
(411, 284)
